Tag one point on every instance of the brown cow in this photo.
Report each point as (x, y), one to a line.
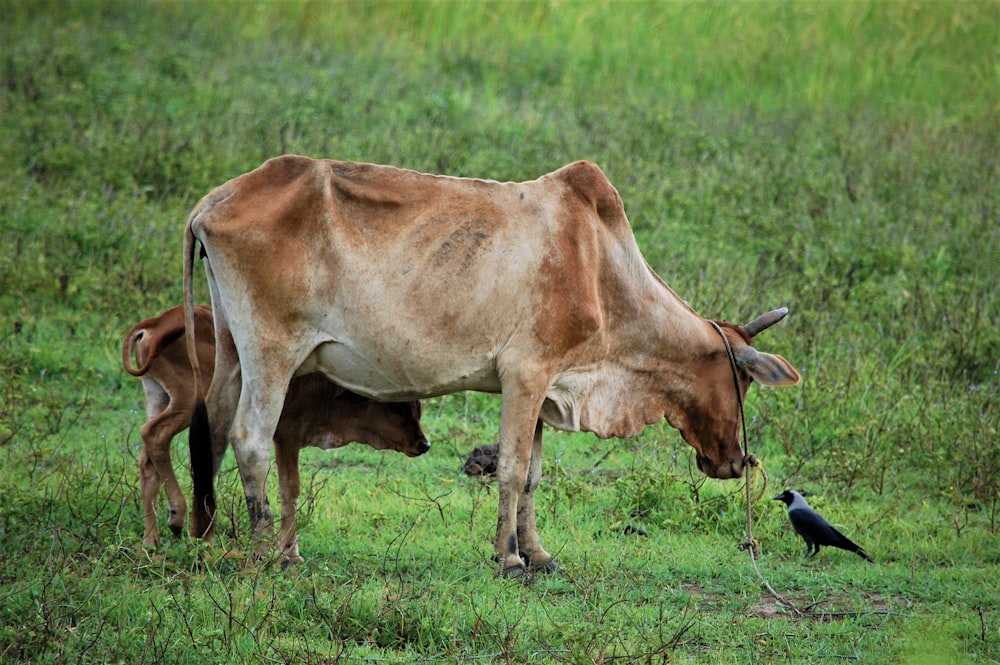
(316, 413)
(403, 285)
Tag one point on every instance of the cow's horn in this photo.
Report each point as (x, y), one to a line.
(765, 321)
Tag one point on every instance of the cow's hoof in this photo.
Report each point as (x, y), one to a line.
(289, 561)
(518, 572)
(549, 566)
(262, 550)
(511, 566)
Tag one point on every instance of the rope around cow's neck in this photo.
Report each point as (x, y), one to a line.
(750, 461)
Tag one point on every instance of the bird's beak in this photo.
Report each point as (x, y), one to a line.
(776, 498)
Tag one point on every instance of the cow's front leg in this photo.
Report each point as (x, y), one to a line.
(518, 418)
(527, 533)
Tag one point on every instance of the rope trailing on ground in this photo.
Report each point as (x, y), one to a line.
(750, 462)
(751, 545)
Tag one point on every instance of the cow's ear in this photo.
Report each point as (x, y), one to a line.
(767, 368)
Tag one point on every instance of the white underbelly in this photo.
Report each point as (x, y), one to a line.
(401, 374)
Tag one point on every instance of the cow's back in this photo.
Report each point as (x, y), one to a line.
(407, 284)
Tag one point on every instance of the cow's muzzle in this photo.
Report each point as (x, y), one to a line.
(732, 468)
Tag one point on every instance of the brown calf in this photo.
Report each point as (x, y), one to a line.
(316, 413)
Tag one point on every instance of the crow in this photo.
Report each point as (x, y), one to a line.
(815, 530)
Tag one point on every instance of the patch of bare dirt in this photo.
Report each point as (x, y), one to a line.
(828, 610)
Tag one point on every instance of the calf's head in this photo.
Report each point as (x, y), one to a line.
(383, 425)
(710, 423)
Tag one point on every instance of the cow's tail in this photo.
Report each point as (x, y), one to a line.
(190, 242)
(202, 481)
(200, 432)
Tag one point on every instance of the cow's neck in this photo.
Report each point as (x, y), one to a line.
(646, 371)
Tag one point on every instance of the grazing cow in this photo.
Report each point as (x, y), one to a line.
(402, 285)
(316, 412)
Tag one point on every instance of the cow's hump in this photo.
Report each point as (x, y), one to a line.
(591, 185)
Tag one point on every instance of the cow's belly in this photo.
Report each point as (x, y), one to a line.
(389, 374)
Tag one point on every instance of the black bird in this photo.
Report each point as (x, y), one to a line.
(814, 529)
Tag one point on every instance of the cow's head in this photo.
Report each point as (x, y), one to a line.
(711, 423)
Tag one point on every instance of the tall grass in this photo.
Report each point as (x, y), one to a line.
(838, 158)
(903, 60)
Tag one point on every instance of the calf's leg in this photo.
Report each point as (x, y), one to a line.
(289, 482)
(166, 417)
(157, 401)
(157, 435)
(149, 485)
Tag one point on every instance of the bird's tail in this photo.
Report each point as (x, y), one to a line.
(849, 545)
(845, 543)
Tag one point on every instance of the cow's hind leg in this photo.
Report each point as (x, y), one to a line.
(260, 406)
(527, 532)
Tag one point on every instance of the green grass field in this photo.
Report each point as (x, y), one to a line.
(838, 158)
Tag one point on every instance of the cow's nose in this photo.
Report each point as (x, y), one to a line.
(423, 446)
(731, 469)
